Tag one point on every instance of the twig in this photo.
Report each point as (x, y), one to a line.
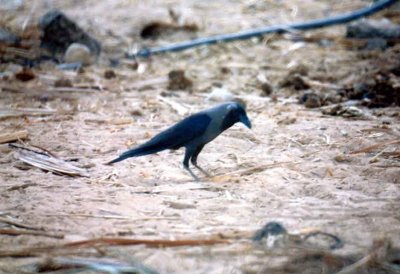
(181, 110)
(149, 243)
(378, 254)
(18, 112)
(256, 169)
(34, 251)
(110, 217)
(148, 83)
(17, 224)
(13, 136)
(370, 148)
(16, 232)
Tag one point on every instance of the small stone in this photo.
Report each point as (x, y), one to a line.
(63, 82)
(179, 205)
(341, 158)
(59, 32)
(178, 80)
(220, 95)
(332, 110)
(136, 112)
(287, 121)
(78, 53)
(109, 74)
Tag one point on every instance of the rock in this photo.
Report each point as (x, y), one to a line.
(78, 53)
(8, 38)
(378, 32)
(178, 80)
(220, 95)
(376, 44)
(59, 32)
(366, 29)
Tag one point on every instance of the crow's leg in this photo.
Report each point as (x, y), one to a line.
(188, 155)
(194, 160)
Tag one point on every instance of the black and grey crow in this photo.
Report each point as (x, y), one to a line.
(193, 133)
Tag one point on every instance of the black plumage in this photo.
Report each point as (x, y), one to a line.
(193, 133)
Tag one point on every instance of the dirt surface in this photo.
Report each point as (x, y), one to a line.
(296, 166)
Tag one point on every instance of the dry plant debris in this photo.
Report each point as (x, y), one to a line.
(48, 162)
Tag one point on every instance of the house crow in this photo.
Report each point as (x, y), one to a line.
(193, 133)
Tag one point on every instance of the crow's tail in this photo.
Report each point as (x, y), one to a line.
(142, 150)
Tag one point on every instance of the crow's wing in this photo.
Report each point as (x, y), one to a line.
(172, 138)
(181, 133)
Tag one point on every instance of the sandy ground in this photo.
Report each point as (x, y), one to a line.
(315, 181)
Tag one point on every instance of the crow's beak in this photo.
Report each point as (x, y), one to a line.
(245, 120)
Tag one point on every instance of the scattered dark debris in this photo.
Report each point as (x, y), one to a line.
(266, 89)
(376, 89)
(109, 74)
(377, 34)
(295, 81)
(25, 75)
(342, 110)
(274, 234)
(136, 112)
(178, 80)
(59, 32)
(382, 258)
(155, 30)
(311, 100)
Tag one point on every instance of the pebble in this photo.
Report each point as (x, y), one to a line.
(78, 53)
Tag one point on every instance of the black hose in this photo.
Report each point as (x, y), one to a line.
(312, 24)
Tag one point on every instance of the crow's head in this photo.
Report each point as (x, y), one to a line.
(235, 113)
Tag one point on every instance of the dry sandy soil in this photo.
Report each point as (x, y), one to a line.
(294, 167)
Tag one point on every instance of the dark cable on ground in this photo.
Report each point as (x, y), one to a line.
(312, 24)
